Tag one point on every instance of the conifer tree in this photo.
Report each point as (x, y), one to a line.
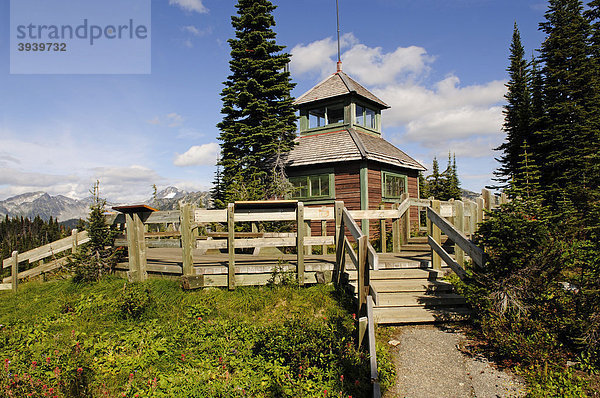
(259, 117)
(435, 180)
(537, 103)
(569, 143)
(517, 112)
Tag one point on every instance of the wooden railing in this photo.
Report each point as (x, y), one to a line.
(41, 253)
(363, 259)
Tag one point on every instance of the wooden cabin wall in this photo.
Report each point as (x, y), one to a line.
(347, 189)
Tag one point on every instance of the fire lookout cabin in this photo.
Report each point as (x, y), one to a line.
(341, 155)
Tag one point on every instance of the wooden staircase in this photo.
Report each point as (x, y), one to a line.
(411, 295)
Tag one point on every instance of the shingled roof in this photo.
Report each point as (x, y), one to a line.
(346, 145)
(335, 85)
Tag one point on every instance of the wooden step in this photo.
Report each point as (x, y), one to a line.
(418, 300)
(411, 285)
(415, 247)
(395, 274)
(423, 239)
(402, 315)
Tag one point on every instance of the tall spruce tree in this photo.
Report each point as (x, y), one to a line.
(567, 148)
(593, 16)
(517, 112)
(259, 116)
(435, 180)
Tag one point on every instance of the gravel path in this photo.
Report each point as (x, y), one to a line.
(429, 364)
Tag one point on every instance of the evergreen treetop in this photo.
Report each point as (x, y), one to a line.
(517, 112)
(567, 149)
(259, 117)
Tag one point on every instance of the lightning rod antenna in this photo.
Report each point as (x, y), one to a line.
(339, 60)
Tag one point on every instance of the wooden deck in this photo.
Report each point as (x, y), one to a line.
(258, 269)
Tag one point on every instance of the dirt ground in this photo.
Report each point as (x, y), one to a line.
(429, 363)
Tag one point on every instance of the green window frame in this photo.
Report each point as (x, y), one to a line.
(365, 117)
(326, 116)
(393, 185)
(312, 186)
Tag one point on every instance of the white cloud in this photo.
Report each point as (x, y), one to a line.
(175, 119)
(198, 155)
(190, 5)
(172, 120)
(191, 29)
(319, 55)
(435, 115)
(369, 65)
(155, 121)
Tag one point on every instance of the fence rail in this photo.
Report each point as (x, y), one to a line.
(41, 253)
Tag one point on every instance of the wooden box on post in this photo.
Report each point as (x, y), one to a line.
(135, 215)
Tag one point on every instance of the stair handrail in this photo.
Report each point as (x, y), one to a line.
(458, 237)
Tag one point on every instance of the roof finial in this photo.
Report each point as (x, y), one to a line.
(339, 60)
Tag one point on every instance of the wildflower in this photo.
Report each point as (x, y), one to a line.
(324, 393)
(34, 364)
(47, 359)
(51, 390)
(342, 378)
(56, 371)
(354, 316)
(356, 382)
(183, 357)
(199, 318)
(79, 370)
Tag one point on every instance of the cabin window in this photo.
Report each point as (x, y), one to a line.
(320, 117)
(392, 185)
(311, 186)
(365, 117)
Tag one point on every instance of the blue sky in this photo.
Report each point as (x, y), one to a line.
(440, 64)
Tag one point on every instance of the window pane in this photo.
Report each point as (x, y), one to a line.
(319, 185)
(324, 181)
(316, 118)
(335, 115)
(393, 186)
(360, 116)
(300, 187)
(370, 118)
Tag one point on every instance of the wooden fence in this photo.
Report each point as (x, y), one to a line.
(39, 254)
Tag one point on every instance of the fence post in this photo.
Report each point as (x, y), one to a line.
(362, 272)
(308, 232)
(487, 200)
(324, 233)
(300, 242)
(187, 238)
(15, 271)
(231, 246)
(254, 227)
(74, 236)
(136, 247)
(459, 224)
(339, 240)
(395, 231)
(473, 220)
(405, 222)
(436, 235)
(382, 231)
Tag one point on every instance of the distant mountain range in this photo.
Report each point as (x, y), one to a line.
(63, 208)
